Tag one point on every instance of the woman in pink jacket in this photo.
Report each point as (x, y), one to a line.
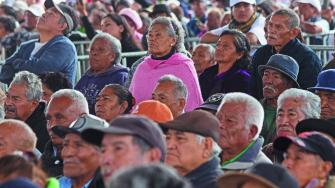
(165, 42)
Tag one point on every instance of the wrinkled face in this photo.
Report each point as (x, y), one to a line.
(80, 159)
(60, 111)
(242, 12)
(159, 42)
(119, 151)
(110, 27)
(202, 59)
(107, 105)
(185, 151)
(302, 165)
(164, 93)
(17, 105)
(213, 20)
(274, 83)
(31, 20)
(234, 133)
(7, 145)
(46, 93)
(327, 103)
(288, 116)
(50, 21)
(306, 10)
(226, 50)
(101, 55)
(279, 34)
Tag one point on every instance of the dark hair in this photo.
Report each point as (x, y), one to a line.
(119, 21)
(55, 81)
(242, 45)
(8, 22)
(123, 94)
(15, 164)
(9, 11)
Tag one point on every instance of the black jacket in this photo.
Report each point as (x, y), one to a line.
(52, 164)
(38, 123)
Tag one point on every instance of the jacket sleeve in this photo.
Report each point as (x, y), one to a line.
(90, 31)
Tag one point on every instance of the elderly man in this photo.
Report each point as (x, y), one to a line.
(310, 157)
(192, 147)
(241, 120)
(203, 57)
(81, 159)
(171, 91)
(279, 74)
(244, 18)
(23, 103)
(311, 20)
(129, 141)
(293, 106)
(10, 131)
(65, 106)
(52, 52)
(283, 29)
(325, 89)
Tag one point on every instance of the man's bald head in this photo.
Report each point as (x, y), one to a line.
(16, 135)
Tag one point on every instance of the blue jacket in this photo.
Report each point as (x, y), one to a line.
(91, 84)
(309, 65)
(57, 55)
(205, 175)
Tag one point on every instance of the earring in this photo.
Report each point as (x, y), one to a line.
(171, 45)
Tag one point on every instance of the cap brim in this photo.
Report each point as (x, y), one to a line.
(236, 179)
(261, 69)
(62, 131)
(321, 88)
(95, 135)
(208, 107)
(282, 144)
(319, 125)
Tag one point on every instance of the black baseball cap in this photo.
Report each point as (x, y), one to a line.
(212, 103)
(129, 124)
(319, 125)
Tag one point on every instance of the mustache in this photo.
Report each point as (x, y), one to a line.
(270, 87)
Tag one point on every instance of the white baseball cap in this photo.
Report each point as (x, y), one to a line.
(314, 3)
(36, 10)
(234, 2)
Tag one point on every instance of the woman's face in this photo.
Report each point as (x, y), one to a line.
(226, 50)
(101, 55)
(159, 42)
(110, 27)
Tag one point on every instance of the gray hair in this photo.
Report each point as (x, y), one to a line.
(113, 42)
(253, 110)
(32, 82)
(216, 149)
(293, 18)
(78, 99)
(210, 48)
(180, 90)
(310, 102)
(174, 29)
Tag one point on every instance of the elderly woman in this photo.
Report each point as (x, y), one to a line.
(165, 41)
(105, 68)
(113, 100)
(229, 74)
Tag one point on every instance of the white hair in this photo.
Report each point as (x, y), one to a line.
(180, 89)
(216, 150)
(310, 102)
(253, 110)
(75, 96)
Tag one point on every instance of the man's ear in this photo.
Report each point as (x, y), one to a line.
(208, 148)
(123, 107)
(326, 168)
(181, 104)
(153, 155)
(294, 32)
(253, 131)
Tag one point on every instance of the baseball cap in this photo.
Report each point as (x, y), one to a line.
(319, 125)
(234, 2)
(82, 123)
(129, 124)
(314, 3)
(313, 142)
(154, 110)
(198, 122)
(212, 103)
(36, 10)
(65, 10)
(274, 176)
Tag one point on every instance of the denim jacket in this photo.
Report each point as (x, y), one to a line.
(57, 55)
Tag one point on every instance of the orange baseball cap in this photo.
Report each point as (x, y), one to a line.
(154, 110)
